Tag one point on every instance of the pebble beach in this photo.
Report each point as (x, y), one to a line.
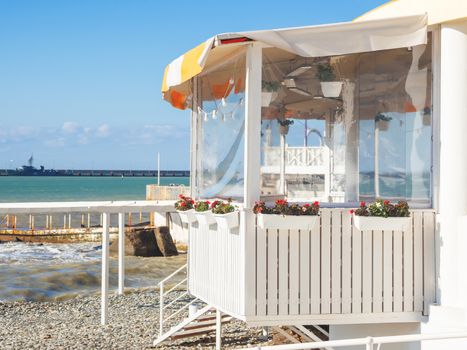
(75, 324)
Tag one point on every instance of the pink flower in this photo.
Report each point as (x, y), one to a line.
(316, 203)
(351, 211)
(181, 196)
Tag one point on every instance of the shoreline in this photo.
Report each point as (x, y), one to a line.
(133, 324)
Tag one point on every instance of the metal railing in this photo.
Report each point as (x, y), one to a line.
(163, 318)
(369, 342)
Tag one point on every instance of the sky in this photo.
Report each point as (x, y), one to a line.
(80, 80)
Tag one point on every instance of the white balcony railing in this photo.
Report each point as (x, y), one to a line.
(331, 274)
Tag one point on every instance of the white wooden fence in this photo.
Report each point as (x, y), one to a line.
(335, 273)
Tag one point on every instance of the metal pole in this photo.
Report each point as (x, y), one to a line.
(282, 165)
(105, 268)
(376, 160)
(161, 309)
(158, 169)
(218, 330)
(121, 253)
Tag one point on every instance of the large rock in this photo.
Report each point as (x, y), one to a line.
(146, 243)
(165, 242)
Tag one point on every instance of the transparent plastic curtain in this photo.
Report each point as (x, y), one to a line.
(396, 134)
(221, 123)
(368, 138)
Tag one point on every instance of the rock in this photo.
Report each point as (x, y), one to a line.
(165, 242)
(139, 243)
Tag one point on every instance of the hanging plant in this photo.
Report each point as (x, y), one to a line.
(284, 125)
(329, 86)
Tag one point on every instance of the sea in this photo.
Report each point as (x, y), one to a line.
(58, 271)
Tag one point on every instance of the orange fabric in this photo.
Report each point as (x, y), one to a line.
(178, 99)
(239, 86)
(409, 107)
(221, 90)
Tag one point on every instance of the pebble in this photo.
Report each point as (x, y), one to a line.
(133, 324)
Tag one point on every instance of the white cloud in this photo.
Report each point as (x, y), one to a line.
(103, 131)
(70, 127)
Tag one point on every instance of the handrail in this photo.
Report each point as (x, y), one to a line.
(184, 267)
(162, 317)
(369, 342)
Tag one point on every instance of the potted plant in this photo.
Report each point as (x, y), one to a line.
(269, 92)
(203, 213)
(285, 216)
(329, 86)
(225, 214)
(184, 207)
(284, 125)
(382, 215)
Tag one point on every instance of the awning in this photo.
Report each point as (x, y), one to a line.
(311, 41)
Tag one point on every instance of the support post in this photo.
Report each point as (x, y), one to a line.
(218, 330)
(105, 268)
(121, 253)
(252, 125)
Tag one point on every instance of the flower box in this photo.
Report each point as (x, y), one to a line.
(205, 217)
(286, 222)
(371, 223)
(187, 216)
(227, 221)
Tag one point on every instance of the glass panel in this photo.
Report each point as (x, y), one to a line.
(221, 119)
(347, 128)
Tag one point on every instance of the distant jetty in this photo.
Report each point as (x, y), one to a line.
(32, 171)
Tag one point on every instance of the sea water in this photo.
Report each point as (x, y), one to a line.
(36, 271)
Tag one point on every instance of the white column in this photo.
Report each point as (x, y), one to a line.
(105, 268)
(252, 125)
(251, 171)
(121, 252)
(453, 159)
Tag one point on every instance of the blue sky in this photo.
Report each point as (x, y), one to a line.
(80, 80)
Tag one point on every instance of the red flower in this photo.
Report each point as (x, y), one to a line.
(316, 203)
(192, 201)
(306, 205)
(183, 204)
(181, 196)
(386, 202)
(208, 202)
(281, 202)
(259, 210)
(362, 204)
(351, 211)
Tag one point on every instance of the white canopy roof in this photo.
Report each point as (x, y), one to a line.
(310, 41)
(344, 38)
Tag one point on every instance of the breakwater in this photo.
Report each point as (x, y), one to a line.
(95, 172)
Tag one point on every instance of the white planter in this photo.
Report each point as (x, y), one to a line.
(227, 221)
(187, 217)
(205, 218)
(268, 97)
(286, 222)
(370, 223)
(331, 88)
